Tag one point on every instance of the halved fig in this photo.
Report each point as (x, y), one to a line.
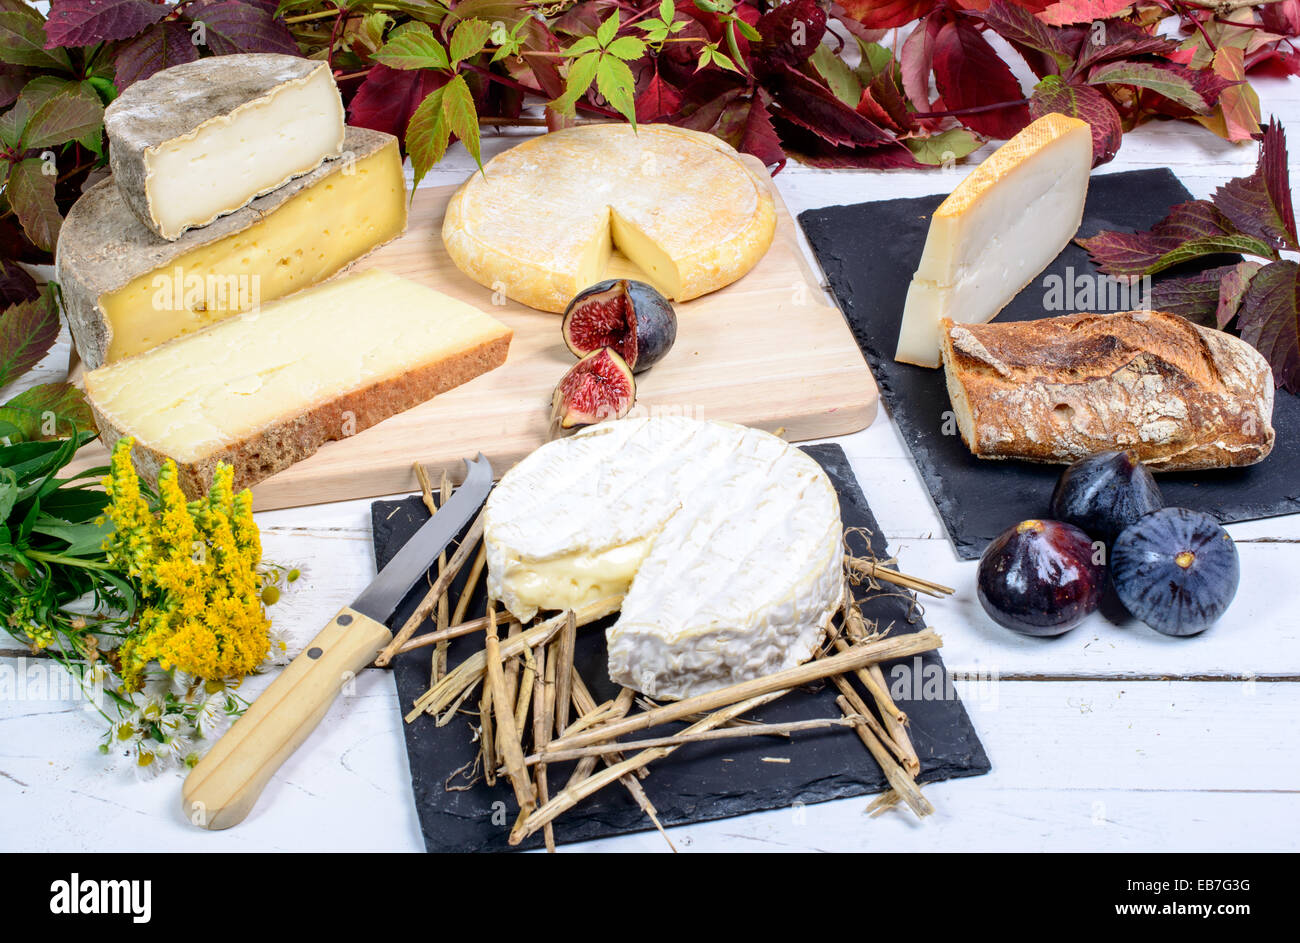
(596, 388)
(630, 317)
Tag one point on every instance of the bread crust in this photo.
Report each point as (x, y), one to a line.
(291, 439)
(1184, 397)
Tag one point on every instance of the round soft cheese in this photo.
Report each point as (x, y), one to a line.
(727, 542)
(540, 222)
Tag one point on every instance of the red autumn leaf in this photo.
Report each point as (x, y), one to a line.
(159, 47)
(388, 97)
(231, 26)
(1192, 230)
(1269, 320)
(1027, 33)
(916, 60)
(791, 32)
(970, 75)
(1233, 285)
(886, 14)
(1085, 103)
(1281, 18)
(86, 22)
(1259, 205)
(1119, 39)
(746, 125)
(27, 332)
(16, 284)
(657, 101)
(811, 105)
(884, 104)
(1069, 12)
(12, 80)
(706, 97)
(814, 151)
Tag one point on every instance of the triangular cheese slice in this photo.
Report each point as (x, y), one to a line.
(997, 231)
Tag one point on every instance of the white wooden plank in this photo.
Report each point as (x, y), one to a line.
(1076, 765)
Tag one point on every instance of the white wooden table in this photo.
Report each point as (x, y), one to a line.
(1111, 737)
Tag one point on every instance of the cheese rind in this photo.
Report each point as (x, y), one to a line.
(203, 138)
(725, 540)
(681, 205)
(125, 290)
(267, 388)
(997, 231)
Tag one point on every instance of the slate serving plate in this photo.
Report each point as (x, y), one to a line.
(868, 253)
(700, 782)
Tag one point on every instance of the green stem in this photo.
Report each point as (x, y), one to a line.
(102, 565)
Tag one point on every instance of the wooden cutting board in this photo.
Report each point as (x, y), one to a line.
(766, 351)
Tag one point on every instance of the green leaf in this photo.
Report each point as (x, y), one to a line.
(34, 95)
(413, 46)
(48, 410)
(840, 79)
(748, 31)
(427, 135)
(581, 45)
(628, 48)
(614, 80)
(606, 32)
(83, 539)
(469, 39)
(667, 10)
(939, 149)
(582, 72)
(74, 112)
(8, 492)
(462, 119)
(875, 59)
(31, 194)
(1160, 79)
(721, 58)
(22, 41)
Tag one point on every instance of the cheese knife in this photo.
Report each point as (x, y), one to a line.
(222, 789)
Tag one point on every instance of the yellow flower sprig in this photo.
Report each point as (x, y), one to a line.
(195, 567)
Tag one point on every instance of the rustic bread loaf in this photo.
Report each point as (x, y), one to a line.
(1060, 389)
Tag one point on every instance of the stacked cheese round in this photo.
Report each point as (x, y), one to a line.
(726, 541)
(541, 221)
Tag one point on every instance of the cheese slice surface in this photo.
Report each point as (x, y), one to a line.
(541, 221)
(203, 138)
(997, 231)
(726, 541)
(126, 290)
(266, 388)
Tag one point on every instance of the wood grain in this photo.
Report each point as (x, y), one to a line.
(767, 351)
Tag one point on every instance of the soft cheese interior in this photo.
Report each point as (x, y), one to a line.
(725, 540)
(307, 239)
(1002, 226)
(225, 162)
(191, 397)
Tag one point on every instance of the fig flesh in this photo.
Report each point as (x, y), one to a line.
(1105, 493)
(630, 317)
(598, 387)
(1176, 570)
(1040, 578)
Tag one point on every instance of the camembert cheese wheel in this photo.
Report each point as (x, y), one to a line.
(725, 540)
(541, 220)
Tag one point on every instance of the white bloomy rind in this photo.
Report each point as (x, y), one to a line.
(202, 139)
(726, 540)
(996, 231)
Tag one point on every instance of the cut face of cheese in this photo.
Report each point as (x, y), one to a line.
(127, 291)
(726, 542)
(202, 139)
(265, 389)
(996, 231)
(542, 219)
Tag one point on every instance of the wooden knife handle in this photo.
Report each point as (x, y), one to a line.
(222, 789)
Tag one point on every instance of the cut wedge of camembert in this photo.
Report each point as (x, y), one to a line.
(541, 221)
(996, 231)
(726, 541)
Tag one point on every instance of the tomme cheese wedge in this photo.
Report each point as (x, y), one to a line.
(202, 139)
(542, 220)
(725, 540)
(125, 290)
(996, 231)
(267, 388)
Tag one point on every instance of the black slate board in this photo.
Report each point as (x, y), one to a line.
(700, 782)
(870, 250)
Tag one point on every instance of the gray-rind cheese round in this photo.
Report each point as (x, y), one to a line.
(726, 540)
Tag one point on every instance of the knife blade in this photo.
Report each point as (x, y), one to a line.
(224, 786)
